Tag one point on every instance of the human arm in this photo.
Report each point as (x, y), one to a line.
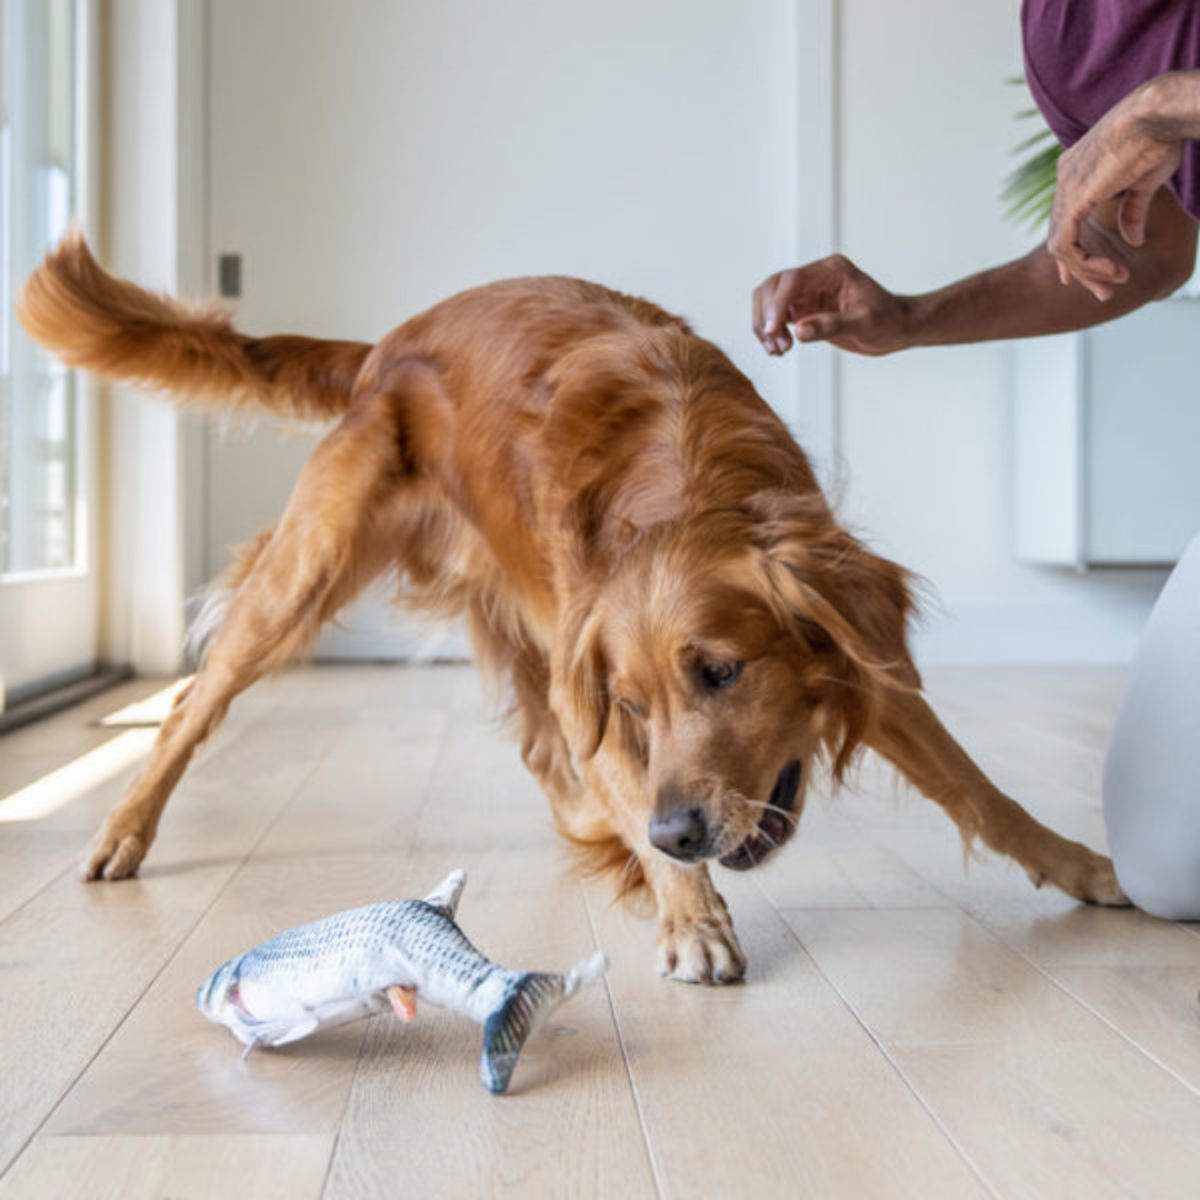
(832, 300)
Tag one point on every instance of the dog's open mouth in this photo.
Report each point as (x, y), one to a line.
(775, 826)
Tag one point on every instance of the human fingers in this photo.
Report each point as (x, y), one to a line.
(1097, 272)
(1101, 287)
(756, 320)
(773, 342)
(1134, 212)
(777, 300)
(777, 303)
(1088, 268)
(1099, 281)
(818, 327)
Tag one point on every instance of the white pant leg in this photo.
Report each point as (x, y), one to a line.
(1152, 771)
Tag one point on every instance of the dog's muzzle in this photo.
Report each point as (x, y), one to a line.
(775, 826)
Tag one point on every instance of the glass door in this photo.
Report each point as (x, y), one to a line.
(48, 592)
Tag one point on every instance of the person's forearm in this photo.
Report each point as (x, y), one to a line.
(1023, 298)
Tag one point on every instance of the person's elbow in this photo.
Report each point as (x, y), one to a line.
(1169, 273)
(1169, 256)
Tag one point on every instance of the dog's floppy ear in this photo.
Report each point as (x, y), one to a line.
(579, 679)
(826, 577)
(842, 600)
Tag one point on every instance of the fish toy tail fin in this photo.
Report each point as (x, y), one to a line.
(585, 972)
(527, 1002)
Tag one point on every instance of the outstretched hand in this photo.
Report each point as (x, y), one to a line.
(828, 301)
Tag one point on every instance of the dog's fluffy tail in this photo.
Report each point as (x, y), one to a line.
(91, 319)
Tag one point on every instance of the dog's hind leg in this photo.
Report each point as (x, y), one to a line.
(335, 535)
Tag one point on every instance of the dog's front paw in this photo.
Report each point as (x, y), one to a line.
(1099, 885)
(1086, 876)
(115, 852)
(700, 950)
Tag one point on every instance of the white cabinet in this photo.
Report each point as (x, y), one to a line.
(1106, 441)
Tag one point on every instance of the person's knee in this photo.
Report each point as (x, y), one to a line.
(1164, 887)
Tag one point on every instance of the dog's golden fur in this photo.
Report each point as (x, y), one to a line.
(639, 548)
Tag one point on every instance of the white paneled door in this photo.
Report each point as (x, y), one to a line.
(370, 157)
(48, 564)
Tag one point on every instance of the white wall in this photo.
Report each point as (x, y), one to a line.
(369, 159)
(152, 147)
(923, 123)
(925, 127)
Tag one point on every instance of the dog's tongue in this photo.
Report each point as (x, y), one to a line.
(774, 825)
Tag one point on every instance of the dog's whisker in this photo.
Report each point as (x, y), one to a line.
(762, 833)
(791, 818)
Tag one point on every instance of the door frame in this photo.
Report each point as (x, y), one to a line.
(51, 655)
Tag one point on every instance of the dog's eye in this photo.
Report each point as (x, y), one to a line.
(634, 710)
(717, 675)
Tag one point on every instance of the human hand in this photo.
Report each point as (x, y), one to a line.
(828, 301)
(1128, 154)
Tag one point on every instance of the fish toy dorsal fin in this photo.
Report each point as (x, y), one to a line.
(446, 895)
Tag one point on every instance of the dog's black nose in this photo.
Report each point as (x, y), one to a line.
(681, 832)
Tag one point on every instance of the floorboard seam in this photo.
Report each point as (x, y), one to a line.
(337, 1133)
(70, 865)
(412, 851)
(170, 958)
(895, 1066)
(637, 1100)
(981, 920)
(1046, 973)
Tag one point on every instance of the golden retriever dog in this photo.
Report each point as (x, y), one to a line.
(639, 549)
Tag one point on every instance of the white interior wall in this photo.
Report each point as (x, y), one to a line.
(925, 128)
(924, 124)
(368, 160)
(153, 148)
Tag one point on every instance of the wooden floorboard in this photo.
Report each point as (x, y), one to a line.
(771, 1088)
(250, 1167)
(912, 1025)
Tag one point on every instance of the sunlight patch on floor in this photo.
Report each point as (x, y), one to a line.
(150, 710)
(55, 791)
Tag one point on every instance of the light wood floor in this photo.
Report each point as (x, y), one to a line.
(906, 1030)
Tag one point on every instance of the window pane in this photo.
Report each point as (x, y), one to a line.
(38, 406)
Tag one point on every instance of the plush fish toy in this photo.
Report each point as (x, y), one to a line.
(357, 963)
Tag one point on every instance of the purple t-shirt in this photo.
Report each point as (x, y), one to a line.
(1082, 56)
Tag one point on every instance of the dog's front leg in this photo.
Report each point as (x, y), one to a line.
(696, 941)
(912, 737)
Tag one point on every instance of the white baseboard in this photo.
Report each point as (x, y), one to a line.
(415, 644)
(1091, 630)
(374, 629)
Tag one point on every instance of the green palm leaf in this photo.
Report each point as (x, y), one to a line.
(1028, 192)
